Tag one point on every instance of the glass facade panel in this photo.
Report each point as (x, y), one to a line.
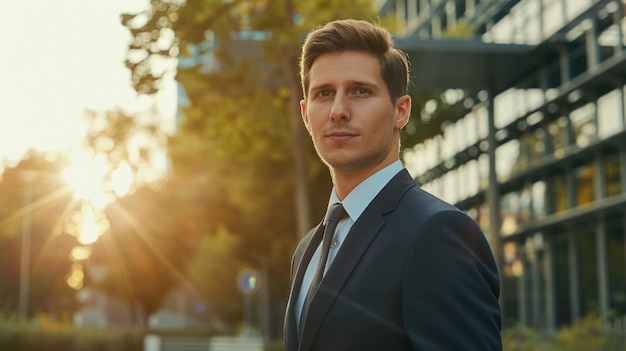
(583, 125)
(609, 114)
(533, 25)
(523, 159)
(510, 212)
(448, 143)
(505, 105)
(537, 146)
(450, 187)
(518, 21)
(502, 31)
(575, 7)
(472, 177)
(483, 217)
(539, 199)
(584, 185)
(431, 153)
(613, 175)
(587, 270)
(511, 272)
(534, 98)
(525, 205)
(562, 298)
(483, 121)
(552, 16)
(471, 128)
(463, 134)
(522, 24)
(622, 26)
(617, 267)
(461, 178)
(483, 168)
(559, 193)
(535, 257)
(559, 136)
(506, 157)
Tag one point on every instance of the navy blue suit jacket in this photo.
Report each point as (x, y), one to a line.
(414, 273)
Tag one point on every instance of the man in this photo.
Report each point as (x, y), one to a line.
(405, 271)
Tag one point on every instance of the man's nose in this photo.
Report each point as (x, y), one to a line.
(341, 108)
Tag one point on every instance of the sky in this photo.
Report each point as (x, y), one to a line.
(58, 59)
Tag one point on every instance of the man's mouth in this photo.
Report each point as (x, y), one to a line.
(340, 135)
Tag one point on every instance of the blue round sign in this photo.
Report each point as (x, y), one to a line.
(248, 281)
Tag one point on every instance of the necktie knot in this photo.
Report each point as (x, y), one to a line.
(336, 213)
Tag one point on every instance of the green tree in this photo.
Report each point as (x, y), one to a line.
(143, 254)
(34, 200)
(241, 146)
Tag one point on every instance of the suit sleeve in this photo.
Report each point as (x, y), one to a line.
(451, 287)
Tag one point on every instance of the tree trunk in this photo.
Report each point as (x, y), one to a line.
(298, 135)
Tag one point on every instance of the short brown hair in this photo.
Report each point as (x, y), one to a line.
(357, 35)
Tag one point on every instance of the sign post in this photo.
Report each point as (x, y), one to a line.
(249, 282)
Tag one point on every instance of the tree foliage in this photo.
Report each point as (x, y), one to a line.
(143, 252)
(233, 161)
(33, 201)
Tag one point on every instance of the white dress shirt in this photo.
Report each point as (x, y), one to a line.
(354, 204)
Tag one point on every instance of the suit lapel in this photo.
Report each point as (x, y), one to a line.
(360, 237)
(303, 255)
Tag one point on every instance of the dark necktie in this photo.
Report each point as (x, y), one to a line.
(336, 213)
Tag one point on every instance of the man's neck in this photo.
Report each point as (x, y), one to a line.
(345, 181)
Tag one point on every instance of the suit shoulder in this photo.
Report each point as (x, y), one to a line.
(425, 202)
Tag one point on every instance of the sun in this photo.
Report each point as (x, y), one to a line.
(93, 178)
(85, 175)
(96, 184)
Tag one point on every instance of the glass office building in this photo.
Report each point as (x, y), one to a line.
(538, 156)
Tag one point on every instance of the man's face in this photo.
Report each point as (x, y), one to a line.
(348, 112)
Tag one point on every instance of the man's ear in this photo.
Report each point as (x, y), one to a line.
(403, 111)
(305, 117)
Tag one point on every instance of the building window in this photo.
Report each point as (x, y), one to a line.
(612, 172)
(552, 16)
(587, 270)
(559, 193)
(559, 136)
(539, 200)
(511, 275)
(575, 7)
(610, 114)
(472, 177)
(584, 185)
(483, 171)
(450, 191)
(511, 212)
(617, 266)
(507, 156)
(537, 146)
(534, 98)
(562, 298)
(583, 125)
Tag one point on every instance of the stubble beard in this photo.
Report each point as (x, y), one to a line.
(347, 161)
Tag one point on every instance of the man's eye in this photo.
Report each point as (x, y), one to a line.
(361, 91)
(324, 93)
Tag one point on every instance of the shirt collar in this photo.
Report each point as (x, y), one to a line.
(361, 196)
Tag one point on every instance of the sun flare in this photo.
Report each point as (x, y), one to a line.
(93, 178)
(85, 175)
(96, 184)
